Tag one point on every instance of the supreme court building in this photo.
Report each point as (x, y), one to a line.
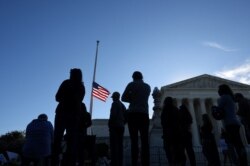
(197, 93)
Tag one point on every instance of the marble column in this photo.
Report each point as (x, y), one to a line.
(203, 106)
(218, 124)
(179, 102)
(194, 127)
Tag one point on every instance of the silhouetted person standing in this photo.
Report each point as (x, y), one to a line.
(69, 97)
(38, 140)
(244, 112)
(84, 123)
(209, 147)
(172, 134)
(186, 122)
(230, 121)
(116, 130)
(137, 94)
(227, 150)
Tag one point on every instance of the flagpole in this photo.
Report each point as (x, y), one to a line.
(91, 97)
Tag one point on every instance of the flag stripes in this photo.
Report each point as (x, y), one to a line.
(100, 92)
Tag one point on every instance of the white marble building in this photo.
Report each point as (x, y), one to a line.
(198, 93)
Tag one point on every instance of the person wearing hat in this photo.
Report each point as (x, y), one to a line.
(137, 94)
(116, 129)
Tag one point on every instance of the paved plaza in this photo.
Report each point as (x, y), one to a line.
(158, 157)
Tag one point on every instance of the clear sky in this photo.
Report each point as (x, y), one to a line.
(167, 40)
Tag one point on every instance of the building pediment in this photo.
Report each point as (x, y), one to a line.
(205, 81)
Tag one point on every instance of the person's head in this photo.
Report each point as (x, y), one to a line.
(137, 75)
(76, 75)
(225, 90)
(42, 117)
(168, 101)
(115, 96)
(238, 97)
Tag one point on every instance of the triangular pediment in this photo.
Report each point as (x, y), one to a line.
(206, 81)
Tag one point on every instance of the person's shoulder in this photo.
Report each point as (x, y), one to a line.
(226, 97)
(49, 123)
(143, 84)
(34, 121)
(116, 103)
(31, 123)
(123, 105)
(113, 103)
(65, 82)
(42, 122)
(245, 101)
(131, 83)
(146, 84)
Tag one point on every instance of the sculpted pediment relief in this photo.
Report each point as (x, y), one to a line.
(206, 82)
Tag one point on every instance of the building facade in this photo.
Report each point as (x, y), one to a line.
(197, 93)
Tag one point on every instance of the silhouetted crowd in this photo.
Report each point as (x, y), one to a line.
(65, 144)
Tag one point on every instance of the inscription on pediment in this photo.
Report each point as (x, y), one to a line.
(201, 83)
(206, 82)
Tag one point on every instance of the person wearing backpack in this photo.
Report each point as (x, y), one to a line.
(244, 112)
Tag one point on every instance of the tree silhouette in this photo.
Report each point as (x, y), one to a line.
(12, 141)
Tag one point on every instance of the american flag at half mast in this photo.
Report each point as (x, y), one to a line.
(100, 92)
